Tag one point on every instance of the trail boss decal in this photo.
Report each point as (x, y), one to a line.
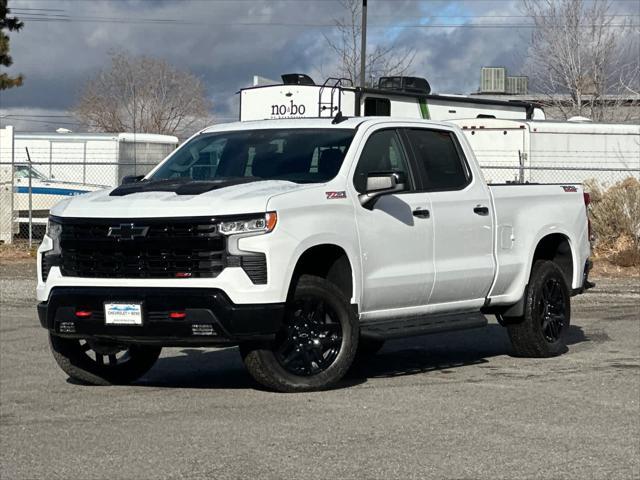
(291, 109)
(334, 195)
(569, 188)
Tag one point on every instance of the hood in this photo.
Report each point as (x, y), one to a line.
(232, 200)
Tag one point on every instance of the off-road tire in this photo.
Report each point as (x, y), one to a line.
(527, 333)
(72, 356)
(264, 363)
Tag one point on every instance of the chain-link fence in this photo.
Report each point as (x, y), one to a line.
(560, 174)
(28, 193)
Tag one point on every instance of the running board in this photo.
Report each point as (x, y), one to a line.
(422, 325)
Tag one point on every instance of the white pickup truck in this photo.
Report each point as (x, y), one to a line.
(306, 242)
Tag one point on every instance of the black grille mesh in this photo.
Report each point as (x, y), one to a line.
(255, 266)
(166, 250)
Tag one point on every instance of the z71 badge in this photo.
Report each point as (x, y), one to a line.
(334, 195)
(569, 188)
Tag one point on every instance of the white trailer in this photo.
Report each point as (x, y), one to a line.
(406, 97)
(553, 151)
(93, 158)
(66, 164)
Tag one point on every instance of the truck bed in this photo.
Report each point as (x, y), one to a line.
(525, 213)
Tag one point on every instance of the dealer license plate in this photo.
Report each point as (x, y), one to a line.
(123, 313)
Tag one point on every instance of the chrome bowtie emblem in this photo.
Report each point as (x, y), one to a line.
(127, 231)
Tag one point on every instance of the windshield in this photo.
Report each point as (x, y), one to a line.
(296, 155)
(22, 171)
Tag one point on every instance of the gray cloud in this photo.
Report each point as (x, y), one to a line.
(206, 38)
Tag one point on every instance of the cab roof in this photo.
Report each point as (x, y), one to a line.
(346, 123)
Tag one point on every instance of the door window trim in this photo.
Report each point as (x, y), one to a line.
(421, 169)
(413, 175)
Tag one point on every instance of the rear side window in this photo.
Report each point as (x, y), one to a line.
(440, 155)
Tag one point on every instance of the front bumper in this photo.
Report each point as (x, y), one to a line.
(211, 318)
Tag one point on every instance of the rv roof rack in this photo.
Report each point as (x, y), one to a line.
(296, 79)
(405, 84)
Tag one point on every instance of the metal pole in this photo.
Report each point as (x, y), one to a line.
(30, 201)
(363, 45)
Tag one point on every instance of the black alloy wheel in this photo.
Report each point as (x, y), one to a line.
(552, 310)
(316, 345)
(541, 330)
(102, 363)
(312, 337)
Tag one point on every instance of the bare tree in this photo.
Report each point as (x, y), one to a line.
(582, 58)
(384, 60)
(143, 94)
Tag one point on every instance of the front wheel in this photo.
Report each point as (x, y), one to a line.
(316, 345)
(102, 363)
(539, 332)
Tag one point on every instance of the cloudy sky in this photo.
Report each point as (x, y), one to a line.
(226, 42)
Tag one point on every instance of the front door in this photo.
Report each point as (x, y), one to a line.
(396, 234)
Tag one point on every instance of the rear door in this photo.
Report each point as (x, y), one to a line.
(461, 218)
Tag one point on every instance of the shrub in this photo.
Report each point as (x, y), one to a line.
(615, 219)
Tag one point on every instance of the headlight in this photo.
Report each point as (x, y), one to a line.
(54, 230)
(260, 224)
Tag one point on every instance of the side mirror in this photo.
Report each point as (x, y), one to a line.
(131, 179)
(382, 183)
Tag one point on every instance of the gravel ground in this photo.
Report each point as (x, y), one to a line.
(443, 406)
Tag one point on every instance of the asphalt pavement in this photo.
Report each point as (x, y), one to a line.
(446, 406)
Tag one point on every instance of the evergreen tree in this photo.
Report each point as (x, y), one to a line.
(10, 24)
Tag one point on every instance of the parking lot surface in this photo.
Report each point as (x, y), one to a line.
(451, 405)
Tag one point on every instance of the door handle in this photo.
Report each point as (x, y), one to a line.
(421, 213)
(480, 210)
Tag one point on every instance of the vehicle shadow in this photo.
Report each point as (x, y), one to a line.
(200, 368)
(223, 368)
(444, 351)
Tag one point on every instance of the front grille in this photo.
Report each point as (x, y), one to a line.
(156, 249)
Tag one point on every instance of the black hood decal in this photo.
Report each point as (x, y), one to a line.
(180, 186)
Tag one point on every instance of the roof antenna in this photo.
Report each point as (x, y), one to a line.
(339, 118)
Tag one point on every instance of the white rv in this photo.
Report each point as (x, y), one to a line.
(552, 151)
(406, 97)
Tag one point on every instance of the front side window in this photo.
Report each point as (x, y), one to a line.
(296, 155)
(443, 162)
(383, 152)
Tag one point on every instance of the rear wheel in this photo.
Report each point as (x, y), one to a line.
(102, 363)
(539, 332)
(316, 345)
